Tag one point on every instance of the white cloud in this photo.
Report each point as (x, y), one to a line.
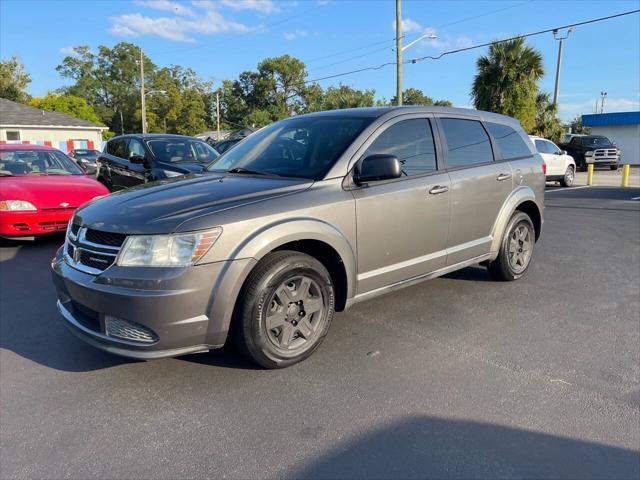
(567, 111)
(290, 36)
(68, 51)
(261, 6)
(167, 6)
(175, 28)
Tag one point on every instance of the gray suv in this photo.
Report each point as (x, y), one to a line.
(302, 219)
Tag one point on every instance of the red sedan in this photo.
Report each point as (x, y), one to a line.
(40, 187)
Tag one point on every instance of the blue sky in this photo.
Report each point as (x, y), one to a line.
(221, 38)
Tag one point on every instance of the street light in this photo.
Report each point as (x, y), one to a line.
(560, 38)
(602, 95)
(400, 49)
(430, 36)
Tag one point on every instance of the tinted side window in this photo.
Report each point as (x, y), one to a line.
(111, 147)
(509, 141)
(467, 142)
(552, 147)
(575, 141)
(135, 148)
(541, 146)
(412, 142)
(117, 148)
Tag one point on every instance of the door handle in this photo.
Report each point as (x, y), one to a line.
(438, 190)
(503, 176)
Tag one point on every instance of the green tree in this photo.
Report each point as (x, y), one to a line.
(576, 126)
(14, 80)
(547, 125)
(506, 81)
(343, 96)
(415, 96)
(71, 105)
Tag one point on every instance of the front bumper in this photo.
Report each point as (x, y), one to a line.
(17, 224)
(166, 311)
(602, 161)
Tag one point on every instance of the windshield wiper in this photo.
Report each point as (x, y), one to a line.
(249, 172)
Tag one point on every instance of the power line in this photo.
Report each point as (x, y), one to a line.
(450, 52)
(391, 41)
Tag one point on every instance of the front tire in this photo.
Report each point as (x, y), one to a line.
(516, 249)
(569, 177)
(285, 309)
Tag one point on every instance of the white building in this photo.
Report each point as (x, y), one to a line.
(623, 128)
(24, 124)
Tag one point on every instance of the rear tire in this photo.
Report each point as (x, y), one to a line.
(516, 249)
(285, 309)
(569, 176)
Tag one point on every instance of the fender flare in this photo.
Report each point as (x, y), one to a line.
(273, 235)
(520, 195)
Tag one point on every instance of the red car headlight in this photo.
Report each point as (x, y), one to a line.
(17, 206)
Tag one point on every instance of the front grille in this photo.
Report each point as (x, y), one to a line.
(127, 330)
(57, 226)
(95, 260)
(86, 317)
(92, 251)
(105, 238)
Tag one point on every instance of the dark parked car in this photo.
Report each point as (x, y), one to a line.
(596, 149)
(224, 145)
(304, 218)
(86, 159)
(130, 160)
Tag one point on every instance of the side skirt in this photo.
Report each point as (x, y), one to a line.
(417, 279)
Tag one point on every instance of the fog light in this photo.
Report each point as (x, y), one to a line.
(128, 330)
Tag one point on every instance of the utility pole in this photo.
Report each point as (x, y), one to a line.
(218, 116)
(398, 53)
(561, 39)
(121, 124)
(142, 103)
(602, 95)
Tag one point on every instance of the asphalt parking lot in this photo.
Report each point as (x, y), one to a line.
(458, 377)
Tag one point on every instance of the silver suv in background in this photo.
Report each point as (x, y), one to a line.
(302, 219)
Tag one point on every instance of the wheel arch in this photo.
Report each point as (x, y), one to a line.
(524, 200)
(314, 237)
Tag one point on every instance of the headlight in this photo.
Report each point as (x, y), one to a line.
(179, 250)
(588, 154)
(17, 206)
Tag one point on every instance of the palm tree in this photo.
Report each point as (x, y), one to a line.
(506, 81)
(547, 123)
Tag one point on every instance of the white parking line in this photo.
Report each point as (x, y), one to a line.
(635, 198)
(566, 189)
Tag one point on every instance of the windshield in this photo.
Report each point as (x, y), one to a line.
(304, 147)
(36, 162)
(597, 141)
(86, 153)
(177, 150)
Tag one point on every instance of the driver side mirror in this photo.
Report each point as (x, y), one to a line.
(561, 152)
(375, 168)
(138, 159)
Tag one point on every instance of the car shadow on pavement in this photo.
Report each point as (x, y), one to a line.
(30, 324)
(225, 357)
(432, 447)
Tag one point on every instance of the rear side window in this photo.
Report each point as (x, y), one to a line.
(412, 142)
(467, 142)
(541, 146)
(509, 141)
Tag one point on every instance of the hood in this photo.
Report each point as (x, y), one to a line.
(161, 207)
(51, 191)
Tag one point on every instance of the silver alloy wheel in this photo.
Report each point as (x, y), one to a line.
(520, 248)
(569, 177)
(295, 313)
